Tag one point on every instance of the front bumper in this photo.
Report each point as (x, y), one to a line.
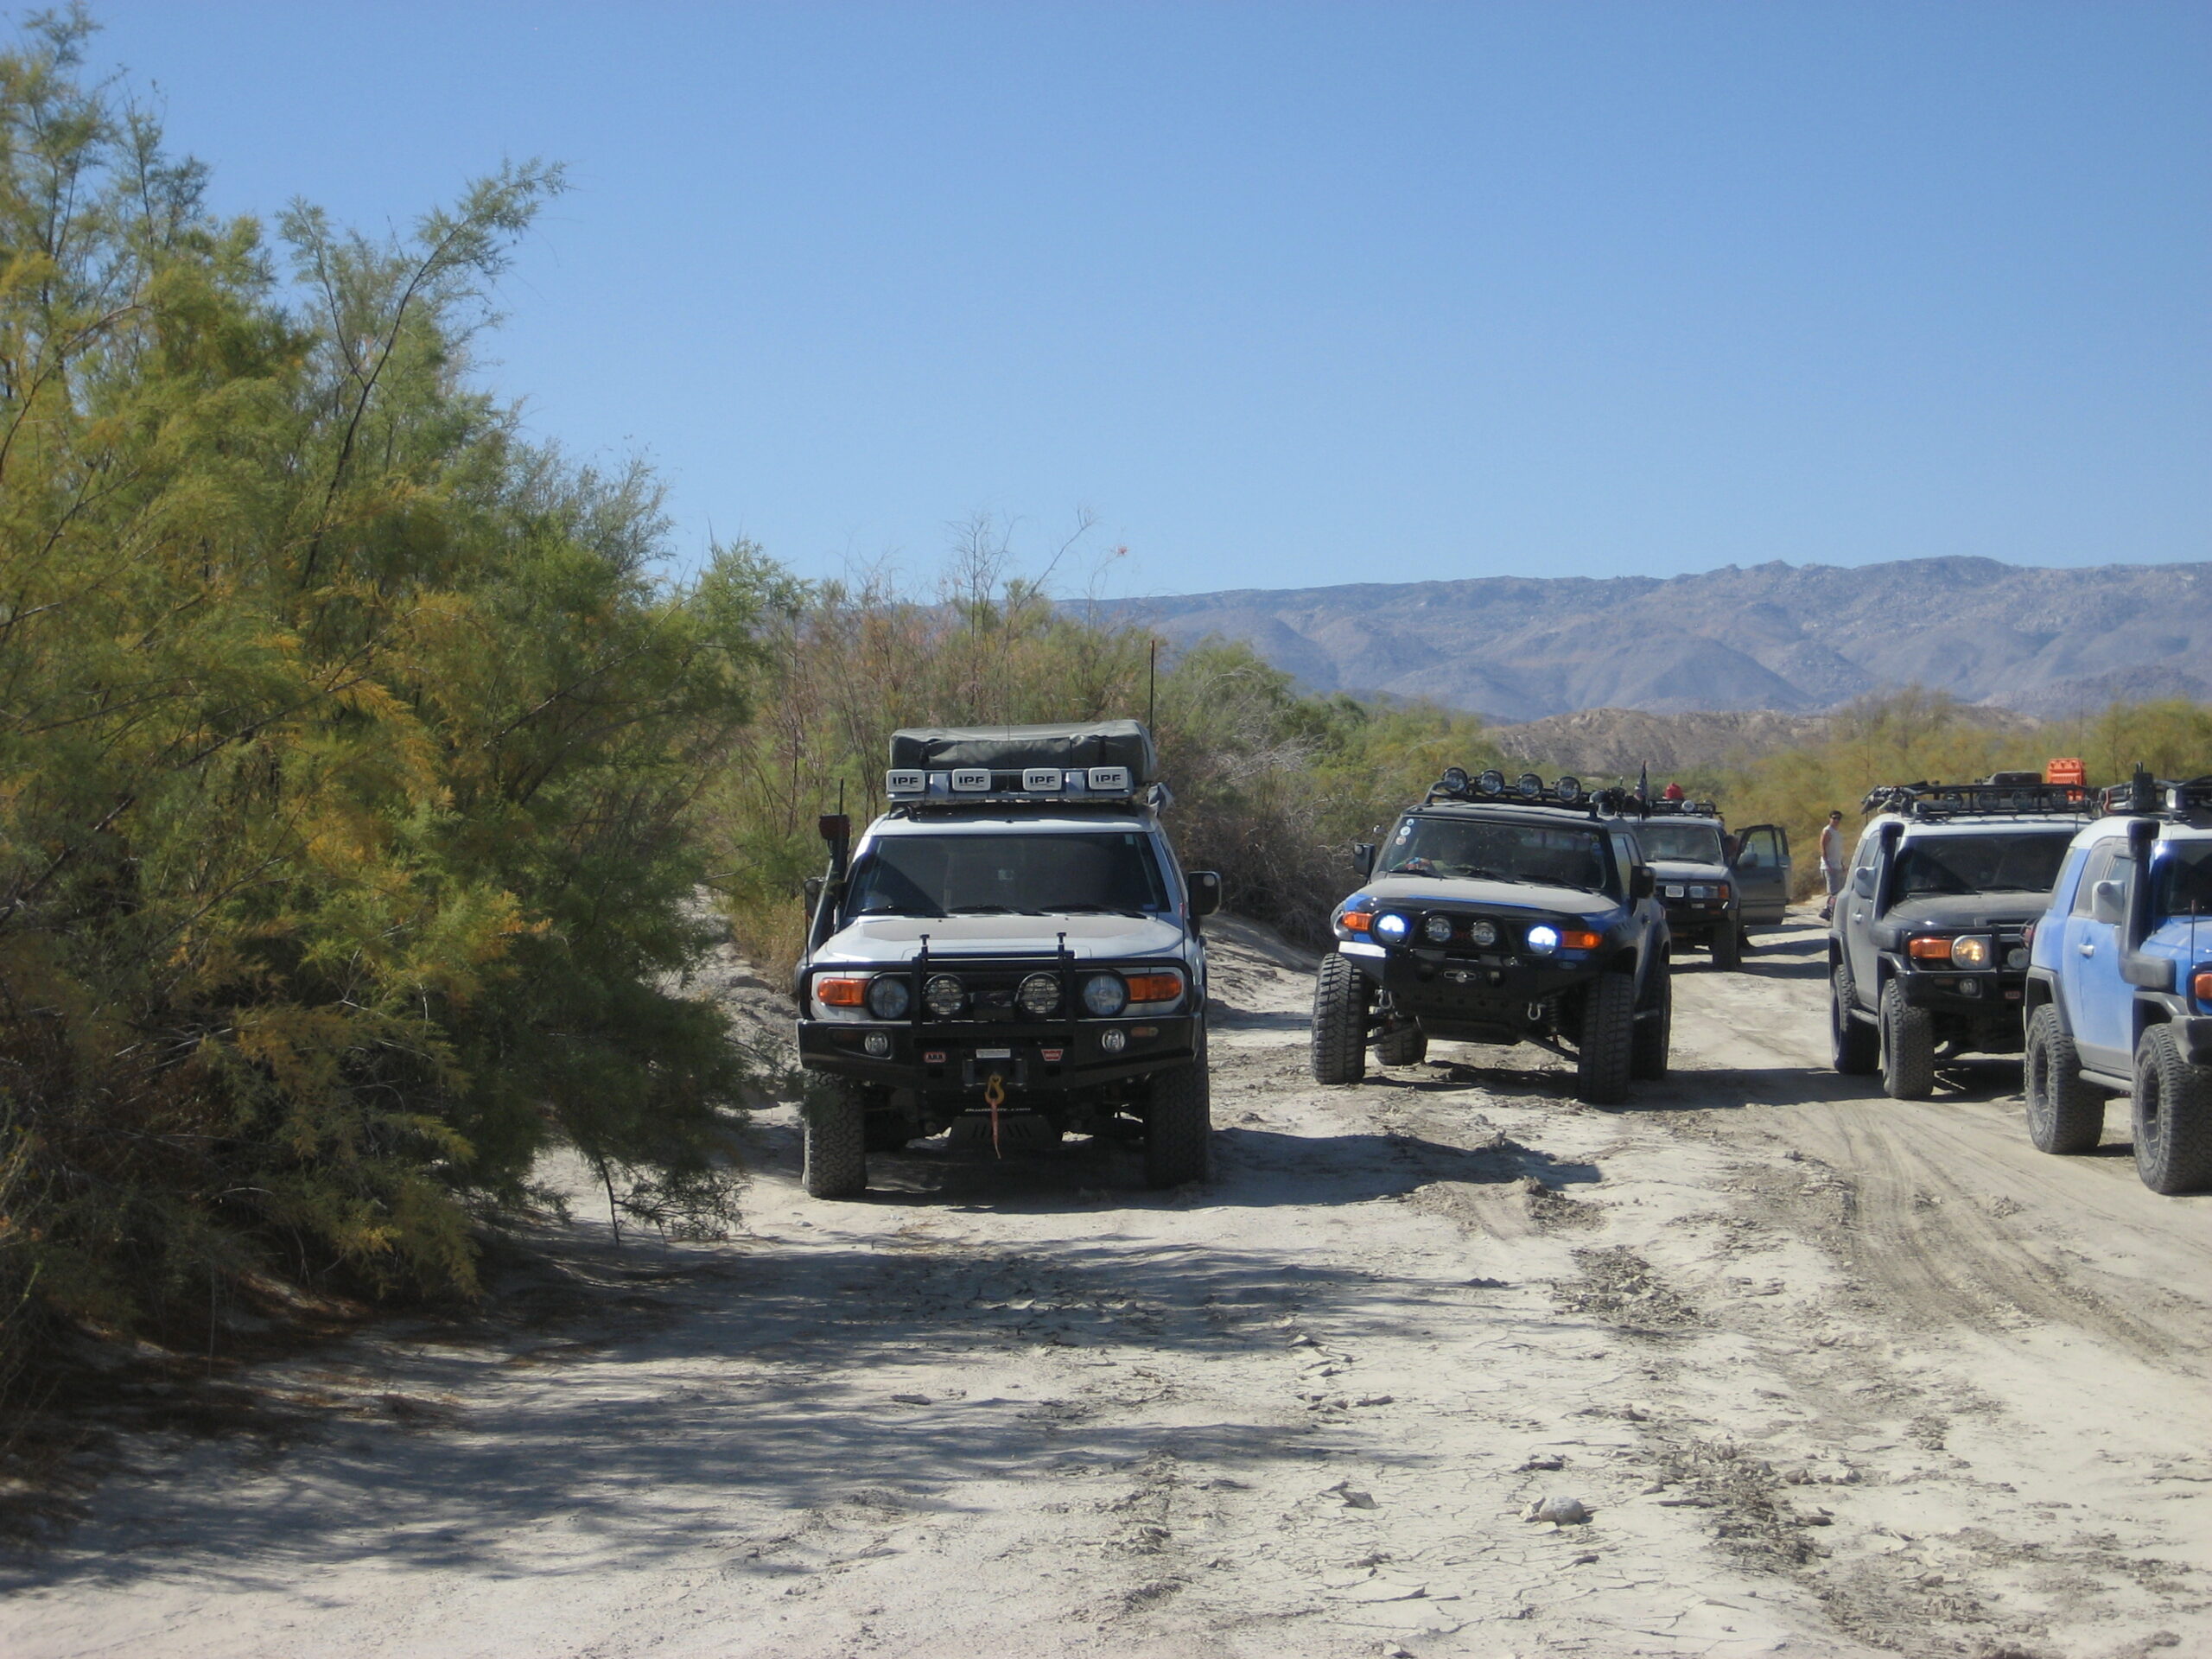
(1444, 989)
(1952, 991)
(960, 1056)
(1696, 919)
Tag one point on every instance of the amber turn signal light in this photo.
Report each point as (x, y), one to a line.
(1155, 987)
(1357, 920)
(2200, 987)
(1930, 950)
(841, 993)
(1577, 939)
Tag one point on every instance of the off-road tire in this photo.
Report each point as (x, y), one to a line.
(1727, 949)
(1406, 1045)
(1655, 1033)
(835, 1139)
(1854, 1047)
(1340, 1022)
(2065, 1115)
(1602, 1063)
(1908, 1046)
(1178, 1123)
(2173, 1116)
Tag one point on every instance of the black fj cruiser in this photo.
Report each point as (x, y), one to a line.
(1690, 864)
(1012, 940)
(1927, 948)
(1498, 914)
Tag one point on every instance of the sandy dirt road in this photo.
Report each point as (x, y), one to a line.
(1831, 1375)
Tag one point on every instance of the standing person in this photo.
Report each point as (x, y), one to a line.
(1831, 860)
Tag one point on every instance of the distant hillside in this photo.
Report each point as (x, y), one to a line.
(1798, 639)
(1601, 744)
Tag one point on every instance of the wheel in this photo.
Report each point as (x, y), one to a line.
(1908, 1046)
(1655, 1032)
(1340, 1022)
(1406, 1045)
(2173, 1116)
(837, 1141)
(1854, 1047)
(2065, 1115)
(1727, 949)
(1601, 1068)
(1178, 1124)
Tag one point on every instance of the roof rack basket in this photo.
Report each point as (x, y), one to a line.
(2145, 796)
(1981, 800)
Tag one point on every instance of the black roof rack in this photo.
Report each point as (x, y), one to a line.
(1664, 808)
(1490, 789)
(1984, 799)
(2144, 796)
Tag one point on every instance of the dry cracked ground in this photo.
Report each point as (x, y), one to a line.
(1804, 1372)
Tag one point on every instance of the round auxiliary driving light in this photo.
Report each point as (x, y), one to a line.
(878, 1045)
(1454, 779)
(889, 997)
(1568, 789)
(1543, 939)
(1529, 784)
(1039, 994)
(1483, 932)
(1114, 1041)
(943, 995)
(1491, 782)
(1392, 928)
(1438, 929)
(1105, 995)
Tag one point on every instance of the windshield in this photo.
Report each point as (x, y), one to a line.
(2182, 873)
(1061, 873)
(2014, 862)
(1689, 843)
(1562, 856)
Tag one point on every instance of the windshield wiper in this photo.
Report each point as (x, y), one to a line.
(1092, 909)
(990, 910)
(892, 909)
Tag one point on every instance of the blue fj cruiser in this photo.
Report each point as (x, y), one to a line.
(2119, 985)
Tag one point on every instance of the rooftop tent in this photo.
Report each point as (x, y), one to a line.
(1011, 749)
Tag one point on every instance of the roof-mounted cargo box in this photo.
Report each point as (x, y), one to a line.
(1021, 748)
(1101, 761)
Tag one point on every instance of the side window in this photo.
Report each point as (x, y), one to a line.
(2108, 862)
(1870, 848)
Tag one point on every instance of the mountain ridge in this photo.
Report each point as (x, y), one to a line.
(1796, 638)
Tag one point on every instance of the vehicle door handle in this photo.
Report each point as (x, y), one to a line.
(2088, 948)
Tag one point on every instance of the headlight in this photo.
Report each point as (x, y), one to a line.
(1972, 951)
(889, 997)
(1392, 928)
(1699, 890)
(1437, 928)
(944, 996)
(1483, 932)
(1543, 939)
(2017, 956)
(1674, 890)
(1039, 994)
(1105, 995)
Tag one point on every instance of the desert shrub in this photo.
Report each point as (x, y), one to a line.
(345, 740)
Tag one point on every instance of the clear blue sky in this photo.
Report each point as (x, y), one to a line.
(1292, 295)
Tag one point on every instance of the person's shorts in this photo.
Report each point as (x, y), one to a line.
(1834, 879)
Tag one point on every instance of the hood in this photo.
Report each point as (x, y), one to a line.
(880, 939)
(1674, 869)
(1416, 891)
(1968, 910)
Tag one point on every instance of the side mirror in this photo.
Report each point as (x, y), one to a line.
(1642, 884)
(1862, 881)
(813, 889)
(1205, 891)
(2108, 903)
(1362, 855)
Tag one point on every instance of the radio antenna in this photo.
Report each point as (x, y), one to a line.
(1151, 681)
